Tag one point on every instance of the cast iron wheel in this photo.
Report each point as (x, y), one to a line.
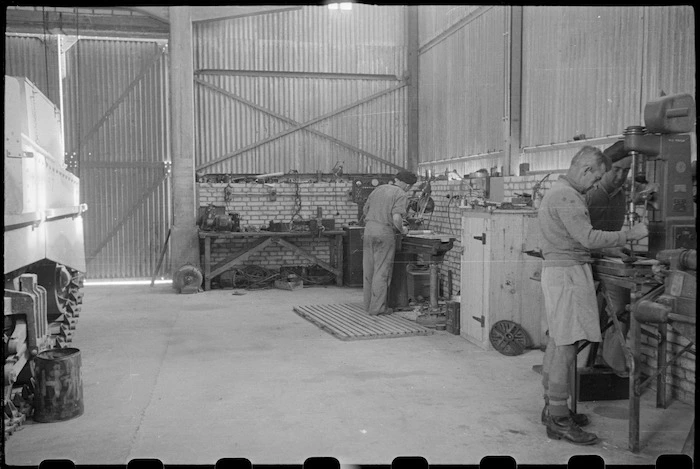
(508, 338)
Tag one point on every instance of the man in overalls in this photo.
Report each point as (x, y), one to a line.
(383, 213)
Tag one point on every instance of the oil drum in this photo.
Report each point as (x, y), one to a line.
(58, 393)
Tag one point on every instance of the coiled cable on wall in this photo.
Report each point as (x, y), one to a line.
(297, 202)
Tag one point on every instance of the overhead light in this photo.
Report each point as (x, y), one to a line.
(340, 6)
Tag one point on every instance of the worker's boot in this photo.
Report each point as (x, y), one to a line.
(565, 428)
(580, 419)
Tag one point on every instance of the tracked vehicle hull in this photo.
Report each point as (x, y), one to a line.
(44, 251)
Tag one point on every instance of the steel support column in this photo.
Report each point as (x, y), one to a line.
(513, 102)
(412, 46)
(184, 239)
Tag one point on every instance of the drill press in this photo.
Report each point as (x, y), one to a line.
(661, 153)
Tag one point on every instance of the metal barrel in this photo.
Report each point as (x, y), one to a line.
(58, 393)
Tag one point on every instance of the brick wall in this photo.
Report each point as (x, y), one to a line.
(257, 206)
(680, 378)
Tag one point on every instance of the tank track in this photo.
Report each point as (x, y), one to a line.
(64, 302)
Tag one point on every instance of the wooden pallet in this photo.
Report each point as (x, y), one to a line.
(351, 322)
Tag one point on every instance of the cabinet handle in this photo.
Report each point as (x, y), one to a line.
(481, 238)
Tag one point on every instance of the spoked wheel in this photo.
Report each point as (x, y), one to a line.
(508, 338)
(63, 299)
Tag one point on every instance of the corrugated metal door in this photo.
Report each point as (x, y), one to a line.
(302, 90)
(116, 127)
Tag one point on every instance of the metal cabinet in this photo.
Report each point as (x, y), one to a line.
(499, 281)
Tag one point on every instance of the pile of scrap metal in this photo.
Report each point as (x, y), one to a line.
(253, 277)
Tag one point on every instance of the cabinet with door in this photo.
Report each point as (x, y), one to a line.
(499, 279)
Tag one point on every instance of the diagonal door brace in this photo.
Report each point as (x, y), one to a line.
(297, 126)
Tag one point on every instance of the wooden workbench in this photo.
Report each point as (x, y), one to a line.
(262, 239)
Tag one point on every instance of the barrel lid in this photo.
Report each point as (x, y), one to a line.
(58, 353)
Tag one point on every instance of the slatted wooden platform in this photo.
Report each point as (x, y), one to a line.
(351, 322)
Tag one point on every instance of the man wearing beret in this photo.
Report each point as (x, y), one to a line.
(383, 213)
(607, 206)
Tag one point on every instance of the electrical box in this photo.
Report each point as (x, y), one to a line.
(672, 224)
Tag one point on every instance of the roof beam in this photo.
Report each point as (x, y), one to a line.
(217, 13)
(84, 24)
(151, 22)
(161, 14)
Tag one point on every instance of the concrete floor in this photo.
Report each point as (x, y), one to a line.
(190, 379)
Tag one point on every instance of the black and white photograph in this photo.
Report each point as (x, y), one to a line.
(345, 235)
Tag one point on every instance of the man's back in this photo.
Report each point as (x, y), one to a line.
(383, 202)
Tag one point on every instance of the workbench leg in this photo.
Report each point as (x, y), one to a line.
(634, 380)
(339, 260)
(433, 266)
(207, 264)
(660, 362)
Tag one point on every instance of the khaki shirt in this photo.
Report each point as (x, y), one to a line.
(567, 234)
(381, 205)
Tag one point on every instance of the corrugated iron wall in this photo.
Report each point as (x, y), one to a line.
(258, 77)
(116, 126)
(461, 91)
(670, 61)
(587, 72)
(581, 77)
(36, 58)
(436, 19)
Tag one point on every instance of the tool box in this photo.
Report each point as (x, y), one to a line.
(600, 383)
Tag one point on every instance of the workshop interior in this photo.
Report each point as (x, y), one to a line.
(193, 158)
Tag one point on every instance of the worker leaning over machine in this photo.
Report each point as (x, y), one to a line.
(383, 214)
(607, 206)
(567, 285)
